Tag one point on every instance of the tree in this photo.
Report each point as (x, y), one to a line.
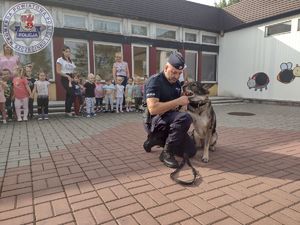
(224, 3)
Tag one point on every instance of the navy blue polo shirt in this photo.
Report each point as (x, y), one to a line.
(159, 87)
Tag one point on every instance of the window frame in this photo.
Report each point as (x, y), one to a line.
(216, 67)
(104, 43)
(158, 26)
(52, 58)
(274, 24)
(209, 34)
(132, 59)
(165, 49)
(106, 20)
(88, 49)
(138, 24)
(85, 17)
(197, 62)
(191, 32)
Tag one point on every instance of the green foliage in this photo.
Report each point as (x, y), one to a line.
(224, 3)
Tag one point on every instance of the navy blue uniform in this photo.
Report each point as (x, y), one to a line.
(172, 125)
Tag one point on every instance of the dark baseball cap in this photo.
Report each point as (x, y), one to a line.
(176, 60)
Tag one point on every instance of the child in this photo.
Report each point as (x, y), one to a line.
(99, 93)
(119, 94)
(3, 87)
(137, 94)
(128, 95)
(41, 87)
(77, 98)
(90, 95)
(6, 74)
(109, 90)
(31, 81)
(21, 92)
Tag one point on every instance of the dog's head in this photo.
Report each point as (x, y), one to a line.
(196, 91)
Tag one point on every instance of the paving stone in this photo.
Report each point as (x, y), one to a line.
(78, 171)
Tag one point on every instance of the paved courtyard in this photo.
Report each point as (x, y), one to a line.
(94, 171)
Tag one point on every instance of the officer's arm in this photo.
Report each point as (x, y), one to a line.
(155, 107)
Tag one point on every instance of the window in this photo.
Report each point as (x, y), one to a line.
(42, 60)
(105, 58)
(207, 39)
(139, 30)
(278, 28)
(162, 58)
(140, 60)
(191, 61)
(209, 67)
(72, 21)
(80, 55)
(190, 37)
(165, 33)
(107, 26)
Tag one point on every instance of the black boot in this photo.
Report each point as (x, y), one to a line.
(153, 140)
(167, 157)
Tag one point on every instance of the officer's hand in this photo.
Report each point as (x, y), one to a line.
(183, 100)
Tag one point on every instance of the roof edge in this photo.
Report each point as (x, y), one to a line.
(280, 16)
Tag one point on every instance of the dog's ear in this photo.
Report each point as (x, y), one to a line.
(207, 86)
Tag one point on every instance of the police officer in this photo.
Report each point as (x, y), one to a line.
(168, 126)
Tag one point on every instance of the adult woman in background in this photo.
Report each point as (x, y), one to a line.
(9, 61)
(120, 69)
(65, 68)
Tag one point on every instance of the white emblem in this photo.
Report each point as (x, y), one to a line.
(27, 27)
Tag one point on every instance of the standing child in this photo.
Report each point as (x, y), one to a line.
(99, 93)
(75, 84)
(128, 95)
(109, 90)
(21, 92)
(90, 95)
(41, 86)
(6, 74)
(137, 94)
(31, 81)
(3, 87)
(119, 94)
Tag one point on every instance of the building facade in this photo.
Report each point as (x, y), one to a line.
(242, 54)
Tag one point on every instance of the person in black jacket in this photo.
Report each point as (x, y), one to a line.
(168, 127)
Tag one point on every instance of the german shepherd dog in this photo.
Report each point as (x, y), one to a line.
(204, 117)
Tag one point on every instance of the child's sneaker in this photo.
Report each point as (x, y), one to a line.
(4, 121)
(127, 110)
(25, 119)
(94, 114)
(46, 117)
(88, 116)
(19, 119)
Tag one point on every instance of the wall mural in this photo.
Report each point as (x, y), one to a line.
(259, 81)
(287, 74)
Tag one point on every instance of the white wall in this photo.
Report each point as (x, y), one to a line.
(247, 51)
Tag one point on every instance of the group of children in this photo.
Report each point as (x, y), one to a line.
(17, 94)
(95, 92)
(90, 96)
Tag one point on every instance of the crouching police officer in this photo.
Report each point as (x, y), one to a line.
(168, 127)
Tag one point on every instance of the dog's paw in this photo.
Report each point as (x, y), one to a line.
(212, 148)
(204, 159)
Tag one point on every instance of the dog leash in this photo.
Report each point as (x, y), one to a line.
(183, 162)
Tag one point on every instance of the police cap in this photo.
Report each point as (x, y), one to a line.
(176, 60)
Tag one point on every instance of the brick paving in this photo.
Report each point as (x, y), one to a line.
(94, 171)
